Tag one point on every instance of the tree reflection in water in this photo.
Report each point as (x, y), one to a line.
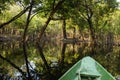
(60, 57)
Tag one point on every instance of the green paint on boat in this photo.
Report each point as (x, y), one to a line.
(87, 69)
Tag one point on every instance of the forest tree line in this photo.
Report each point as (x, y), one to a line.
(90, 17)
(94, 20)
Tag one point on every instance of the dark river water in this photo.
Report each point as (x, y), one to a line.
(59, 56)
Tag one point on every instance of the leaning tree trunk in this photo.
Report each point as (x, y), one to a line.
(49, 19)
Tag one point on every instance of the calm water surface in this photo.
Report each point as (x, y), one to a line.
(59, 56)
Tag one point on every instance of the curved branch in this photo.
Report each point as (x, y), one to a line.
(15, 17)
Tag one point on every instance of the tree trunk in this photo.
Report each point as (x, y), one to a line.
(92, 33)
(74, 32)
(40, 50)
(25, 39)
(64, 29)
(43, 57)
(63, 55)
(49, 19)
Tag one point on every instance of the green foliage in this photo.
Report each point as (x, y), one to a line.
(3, 7)
(97, 11)
(115, 22)
(4, 4)
(103, 14)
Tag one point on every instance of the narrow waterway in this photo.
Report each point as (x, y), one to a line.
(59, 56)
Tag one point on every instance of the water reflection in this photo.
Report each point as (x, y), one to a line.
(33, 73)
(59, 57)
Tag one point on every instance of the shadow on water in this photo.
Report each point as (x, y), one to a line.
(59, 56)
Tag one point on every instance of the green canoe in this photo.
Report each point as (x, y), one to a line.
(87, 69)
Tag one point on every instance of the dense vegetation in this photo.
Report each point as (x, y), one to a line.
(37, 21)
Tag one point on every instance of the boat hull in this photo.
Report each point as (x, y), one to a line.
(85, 69)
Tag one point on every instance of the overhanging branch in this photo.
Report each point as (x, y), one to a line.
(15, 17)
